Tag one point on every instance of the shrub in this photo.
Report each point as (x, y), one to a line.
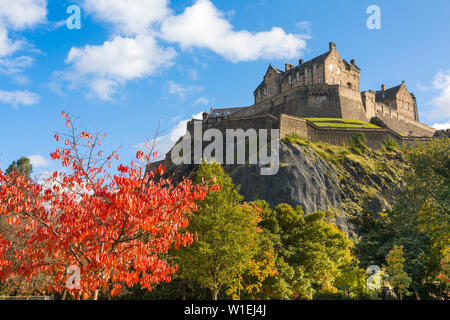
(358, 143)
(390, 144)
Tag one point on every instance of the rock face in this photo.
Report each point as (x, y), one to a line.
(319, 176)
(303, 179)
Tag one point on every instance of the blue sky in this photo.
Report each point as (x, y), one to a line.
(136, 63)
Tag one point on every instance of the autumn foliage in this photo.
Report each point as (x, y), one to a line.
(116, 227)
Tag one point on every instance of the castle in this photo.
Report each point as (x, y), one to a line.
(310, 99)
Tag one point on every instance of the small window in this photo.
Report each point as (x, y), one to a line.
(298, 76)
(319, 80)
(306, 73)
(314, 69)
(265, 91)
(339, 82)
(290, 79)
(338, 70)
(331, 68)
(332, 80)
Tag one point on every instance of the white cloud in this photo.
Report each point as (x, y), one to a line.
(21, 14)
(201, 101)
(203, 25)
(441, 126)
(16, 98)
(164, 143)
(441, 83)
(15, 65)
(105, 67)
(18, 15)
(38, 161)
(134, 52)
(129, 16)
(181, 91)
(304, 26)
(7, 46)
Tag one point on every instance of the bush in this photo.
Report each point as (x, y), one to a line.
(358, 143)
(390, 144)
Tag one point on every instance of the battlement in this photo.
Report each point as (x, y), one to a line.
(325, 87)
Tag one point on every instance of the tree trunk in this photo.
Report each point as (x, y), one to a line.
(416, 292)
(215, 293)
(95, 295)
(64, 295)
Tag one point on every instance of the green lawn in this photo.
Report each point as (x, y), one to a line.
(341, 123)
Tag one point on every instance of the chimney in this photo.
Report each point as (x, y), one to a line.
(288, 66)
(352, 61)
(403, 82)
(300, 62)
(383, 87)
(332, 46)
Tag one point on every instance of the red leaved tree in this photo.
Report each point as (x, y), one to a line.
(113, 229)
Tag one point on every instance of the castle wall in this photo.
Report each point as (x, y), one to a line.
(400, 123)
(341, 136)
(351, 104)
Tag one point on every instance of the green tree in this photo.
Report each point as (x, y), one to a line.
(396, 275)
(228, 235)
(22, 166)
(419, 220)
(310, 252)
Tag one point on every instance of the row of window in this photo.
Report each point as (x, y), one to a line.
(319, 80)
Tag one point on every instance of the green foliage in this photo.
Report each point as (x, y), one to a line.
(294, 138)
(228, 235)
(419, 220)
(358, 143)
(396, 276)
(22, 167)
(390, 144)
(311, 253)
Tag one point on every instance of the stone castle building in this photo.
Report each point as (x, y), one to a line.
(326, 86)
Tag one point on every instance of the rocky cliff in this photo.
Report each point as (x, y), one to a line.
(320, 176)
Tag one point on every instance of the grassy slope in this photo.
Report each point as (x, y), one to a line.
(372, 175)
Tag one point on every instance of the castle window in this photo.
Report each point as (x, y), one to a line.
(265, 91)
(290, 80)
(319, 80)
(407, 105)
(314, 69)
(331, 68)
(332, 80)
(298, 76)
(306, 73)
(259, 94)
(339, 82)
(270, 89)
(338, 70)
